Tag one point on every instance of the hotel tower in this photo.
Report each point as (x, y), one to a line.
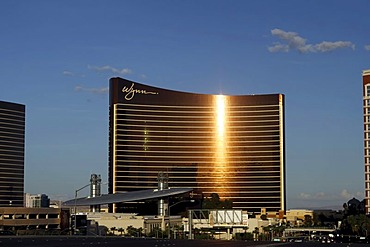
(12, 131)
(366, 105)
(229, 145)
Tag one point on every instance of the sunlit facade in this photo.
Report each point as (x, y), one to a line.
(366, 105)
(12, 131)
(230, 145)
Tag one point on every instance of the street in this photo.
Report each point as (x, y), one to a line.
(63, 241)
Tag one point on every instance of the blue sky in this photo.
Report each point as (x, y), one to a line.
(56, 57)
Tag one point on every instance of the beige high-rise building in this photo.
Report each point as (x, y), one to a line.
(366, 105)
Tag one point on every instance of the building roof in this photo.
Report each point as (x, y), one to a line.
(126, 197)
(366, 72)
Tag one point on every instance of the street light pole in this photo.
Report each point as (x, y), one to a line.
(169, 215)
(75, 206)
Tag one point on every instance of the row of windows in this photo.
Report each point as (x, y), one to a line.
(11, 201)
(12, 139)
(14, 172)
(8, 124)
(367, 90)
(206, 150)
(11, 110)
(146, 128)
(192, 124)
(16, 157)
(209, 181)
(196, 118)
(195, 107)
(10, 152)
(210, 135)
(12, 188)
(16, 164)
(13, 116)
(177, 140)
(251, 142)
(227, 172)
(222, 189)
(172, 162)
(159, 166)
(197, 158)
(9, 176)
(12, 160)
(147, 148)
(11, 147)
(211, 178)
(202, 172)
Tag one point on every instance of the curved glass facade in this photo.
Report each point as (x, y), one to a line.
(229, 145)
(12, 131)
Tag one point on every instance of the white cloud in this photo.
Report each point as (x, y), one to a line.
(143, 77)
(68, 73)
(292, 41)
(346, 195)
(279, 47)
(359, 194)
(329, 46)
(124, 71)
(103, 90)
(367, 47)
(305, 196)
(320, 195)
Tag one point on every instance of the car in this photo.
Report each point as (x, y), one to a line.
(6, 233)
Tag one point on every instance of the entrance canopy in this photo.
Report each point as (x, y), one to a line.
(126, 197)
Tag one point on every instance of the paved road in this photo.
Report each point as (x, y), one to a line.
(57, 241)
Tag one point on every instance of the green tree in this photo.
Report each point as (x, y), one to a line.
(157, 233)
(278, 230)
(308, 220)
(134, 232)
(214, 202)
(267, 232)
(263, 217)
(256, 233)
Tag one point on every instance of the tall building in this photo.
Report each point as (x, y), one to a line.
(229, 145)
(12, 132)
(37, 201)
(366, 105)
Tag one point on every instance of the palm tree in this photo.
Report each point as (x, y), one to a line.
(256, 233)
(121, 230)
(113, 229)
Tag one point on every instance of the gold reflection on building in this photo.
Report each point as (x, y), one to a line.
(229, 145)
(221, 161)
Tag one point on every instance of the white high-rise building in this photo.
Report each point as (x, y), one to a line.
(37, 201)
